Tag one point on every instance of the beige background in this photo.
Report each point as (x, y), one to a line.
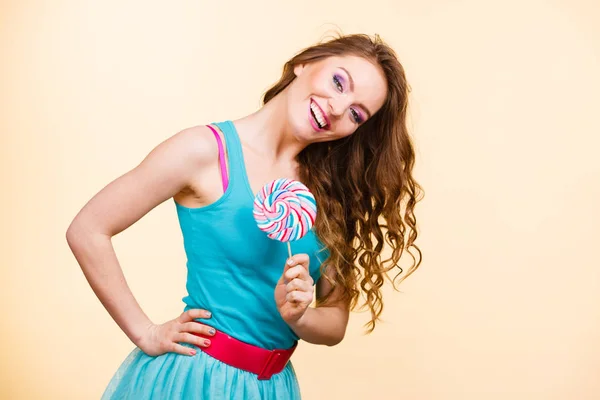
(505, 116)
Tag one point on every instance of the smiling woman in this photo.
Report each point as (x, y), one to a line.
(332, 92)
(364, 170)
(336, 122)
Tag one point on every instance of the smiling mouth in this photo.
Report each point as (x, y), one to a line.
(319, 119)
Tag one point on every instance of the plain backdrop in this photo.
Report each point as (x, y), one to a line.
(505, 116)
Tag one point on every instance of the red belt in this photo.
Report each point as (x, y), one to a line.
(262, 362)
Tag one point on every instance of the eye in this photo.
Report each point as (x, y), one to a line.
(356, 116)
(337, 81)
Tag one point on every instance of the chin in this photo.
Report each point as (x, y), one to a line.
(305, 128)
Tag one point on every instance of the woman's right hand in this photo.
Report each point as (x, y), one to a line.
(164, 338)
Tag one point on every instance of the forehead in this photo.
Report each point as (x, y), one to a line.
(370, 85)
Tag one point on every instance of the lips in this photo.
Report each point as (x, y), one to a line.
(317, 117)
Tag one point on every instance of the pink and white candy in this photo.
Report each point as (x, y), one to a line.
(285, 209)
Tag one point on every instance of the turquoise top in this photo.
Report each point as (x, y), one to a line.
(232, 266)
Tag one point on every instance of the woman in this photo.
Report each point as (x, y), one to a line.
(335, 121)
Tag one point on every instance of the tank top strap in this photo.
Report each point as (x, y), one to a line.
(238, 178)
(222, 161)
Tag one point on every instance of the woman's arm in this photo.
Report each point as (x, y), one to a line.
(165, 171)
(325, 324)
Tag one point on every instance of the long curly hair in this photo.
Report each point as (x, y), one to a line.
(363, 183)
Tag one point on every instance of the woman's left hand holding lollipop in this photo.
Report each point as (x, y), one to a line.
(295, 289)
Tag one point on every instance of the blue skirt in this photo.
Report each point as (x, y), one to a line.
(174, 376)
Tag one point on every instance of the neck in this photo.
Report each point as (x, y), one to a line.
(267, 132)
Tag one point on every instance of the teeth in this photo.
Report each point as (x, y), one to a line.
(318, 115)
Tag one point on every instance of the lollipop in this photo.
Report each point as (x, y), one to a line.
(285, 209)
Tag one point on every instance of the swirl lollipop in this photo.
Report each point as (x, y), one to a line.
(285, 209)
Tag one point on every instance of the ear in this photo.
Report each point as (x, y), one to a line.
(298, 69)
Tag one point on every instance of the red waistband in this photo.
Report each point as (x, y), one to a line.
(262, 362)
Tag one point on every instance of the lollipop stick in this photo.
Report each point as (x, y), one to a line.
(289, 249)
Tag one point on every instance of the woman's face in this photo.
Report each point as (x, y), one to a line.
(332, 97)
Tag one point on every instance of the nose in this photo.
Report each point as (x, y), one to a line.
(337, 105)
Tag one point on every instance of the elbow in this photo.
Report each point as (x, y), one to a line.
(339, 331)
(76, 235)
(72, 235)
(335, 340)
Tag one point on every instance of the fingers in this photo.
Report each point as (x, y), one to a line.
(192, 314)
(184, 329)
(183, 350)
(296, 266)
(193, 339)
(299, 291)
(299, 297)
(300, 272)
(298, 259)
(188, 332)
(200, 329)
(299, 284)
(188, 329)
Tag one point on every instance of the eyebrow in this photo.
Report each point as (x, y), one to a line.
(369, 115)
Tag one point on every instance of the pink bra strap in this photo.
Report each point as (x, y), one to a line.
(224, 177)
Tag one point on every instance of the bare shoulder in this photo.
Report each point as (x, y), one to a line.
(170, 167)
(203, 185)
(195, 145)
(177, 160)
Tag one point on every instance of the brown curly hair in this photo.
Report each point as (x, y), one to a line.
(363, 183)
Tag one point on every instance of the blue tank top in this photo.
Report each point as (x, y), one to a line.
(232, 266)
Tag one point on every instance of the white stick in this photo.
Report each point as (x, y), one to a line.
(289, 249)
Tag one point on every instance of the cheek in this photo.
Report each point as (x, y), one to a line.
(345, 128)
(319, 83)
